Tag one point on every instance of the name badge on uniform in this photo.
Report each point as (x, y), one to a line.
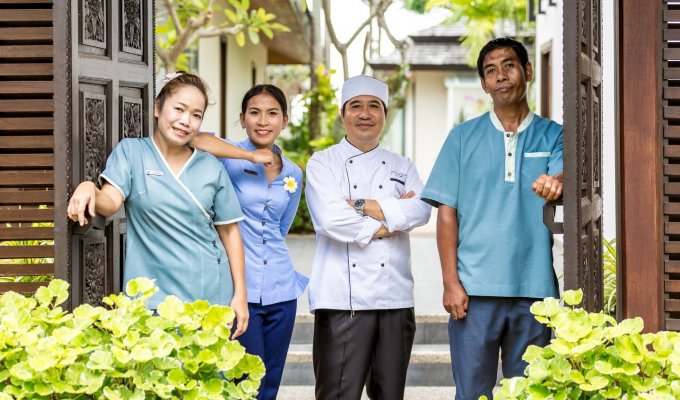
(398, 177)
(154, 172)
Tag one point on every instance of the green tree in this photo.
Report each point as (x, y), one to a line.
(484, 20)
(190, 20)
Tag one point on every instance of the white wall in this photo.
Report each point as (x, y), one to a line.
(239, 62)
(436, 103)
(549, 34)
(609, 115)
(208, 60)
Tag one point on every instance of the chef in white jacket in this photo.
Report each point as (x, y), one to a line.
(363, 200)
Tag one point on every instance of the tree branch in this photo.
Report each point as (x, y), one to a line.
(383, 24)
(173, 15)
(367, 44)
(227, 30)
(381, 7)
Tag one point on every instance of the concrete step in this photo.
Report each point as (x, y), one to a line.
(430, 329)
(412, 393)
(430, 365)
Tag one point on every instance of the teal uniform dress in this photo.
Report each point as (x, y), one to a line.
(171, 235)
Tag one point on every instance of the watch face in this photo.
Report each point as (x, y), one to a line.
(359, 206)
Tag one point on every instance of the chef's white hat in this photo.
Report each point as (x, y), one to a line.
(364, 85)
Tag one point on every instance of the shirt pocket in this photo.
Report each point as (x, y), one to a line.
(537, 154)
(534, 164)
(395, 187)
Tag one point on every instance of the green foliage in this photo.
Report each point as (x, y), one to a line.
(121, 351)
(418, 6)
(609, 270)
(195, 16)
(302, 143)
(593, 357)
(481, 17)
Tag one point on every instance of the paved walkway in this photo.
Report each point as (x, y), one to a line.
(412, 393)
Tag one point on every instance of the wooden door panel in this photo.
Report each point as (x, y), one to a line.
(582, 151)
(105, 90)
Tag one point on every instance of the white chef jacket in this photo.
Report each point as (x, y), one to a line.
(351, 270)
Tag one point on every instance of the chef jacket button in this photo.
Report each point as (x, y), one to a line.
(219, 260)
(264, 241)
(270, 185)
(380, 187)
(509, 173)
(509, 154)
(351, 161)
(355, 186)
(383, 162)
(507, 135)
(265, 262)
(382, 264)
(263, 222)
(354, 265)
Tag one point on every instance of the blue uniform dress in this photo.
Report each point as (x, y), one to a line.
(171, 234)
(272, 283)
(504, 249)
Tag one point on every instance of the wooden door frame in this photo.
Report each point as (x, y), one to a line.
(640, 251)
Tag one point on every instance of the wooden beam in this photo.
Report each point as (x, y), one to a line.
(15, 15)
(26, 33)
(26, 87)
(26, 214)
(26, 1)
(26, 269)
(26, 233)
(26, 51)
(27, 160)
(24, 69)
(9, 252)
(31, 105)
(23, 178)
(640, 241)
(26, 142)
(26, 124)
(27, 197)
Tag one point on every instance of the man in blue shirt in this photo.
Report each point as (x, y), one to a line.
(490, 182)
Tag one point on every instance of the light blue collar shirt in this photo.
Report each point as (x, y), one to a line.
(269, 209)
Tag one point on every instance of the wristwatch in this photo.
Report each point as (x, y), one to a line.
(359, 206)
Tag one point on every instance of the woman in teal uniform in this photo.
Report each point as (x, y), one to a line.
(180, 205)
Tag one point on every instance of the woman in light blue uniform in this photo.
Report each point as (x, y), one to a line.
(269, 195)
(180, 205)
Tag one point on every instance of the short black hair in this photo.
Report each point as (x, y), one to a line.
(500, 43)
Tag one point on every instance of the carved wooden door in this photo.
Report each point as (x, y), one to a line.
(582, 150)
(107, 82)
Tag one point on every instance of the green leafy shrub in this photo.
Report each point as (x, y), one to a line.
(609, 271)
(593, 357)
(121, 351)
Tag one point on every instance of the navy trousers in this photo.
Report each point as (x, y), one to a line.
(270, 329)
(492, 324)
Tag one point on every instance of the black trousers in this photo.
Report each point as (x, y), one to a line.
(370, 347)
